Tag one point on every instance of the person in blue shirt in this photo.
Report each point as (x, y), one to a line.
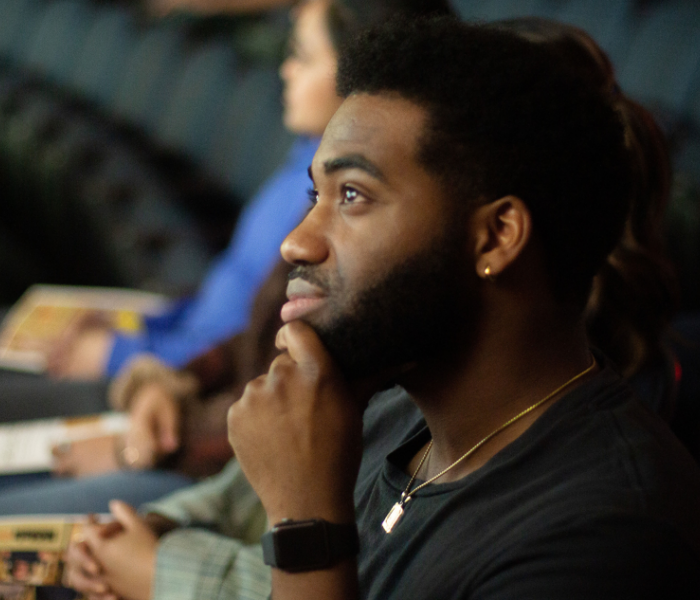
(219, 310)
(221, 307)
(310, 100)
(85, 361)
(92, 353)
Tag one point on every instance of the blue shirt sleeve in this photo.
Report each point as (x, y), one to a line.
(221, 308)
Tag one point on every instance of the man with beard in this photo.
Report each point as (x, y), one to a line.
(465, 193)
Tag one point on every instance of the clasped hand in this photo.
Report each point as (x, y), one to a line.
(115, 559)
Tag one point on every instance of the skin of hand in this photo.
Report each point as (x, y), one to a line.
(82, 353)
(125, 551)
(155, 419)
(90, 456)
(297, 432)
(83, 572)
(154, 431)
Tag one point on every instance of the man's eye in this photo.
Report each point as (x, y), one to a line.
(349, 195)
(313, 195)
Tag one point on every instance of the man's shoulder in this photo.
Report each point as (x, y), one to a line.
(603, 455)
(593, 489)
(607, 433)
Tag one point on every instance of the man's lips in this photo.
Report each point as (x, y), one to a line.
(304, 297)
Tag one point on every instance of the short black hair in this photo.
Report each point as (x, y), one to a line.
(506, 117)
(347, 17)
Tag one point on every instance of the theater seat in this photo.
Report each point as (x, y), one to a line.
(149, 75)
(192, 113)
(664, 57)
(103, 56)
(57, 40)
(250, 140)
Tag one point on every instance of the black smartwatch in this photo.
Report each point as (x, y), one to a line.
(312, 545)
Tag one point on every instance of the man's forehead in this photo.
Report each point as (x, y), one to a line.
(378, 127)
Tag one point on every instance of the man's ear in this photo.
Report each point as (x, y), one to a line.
(502, 230)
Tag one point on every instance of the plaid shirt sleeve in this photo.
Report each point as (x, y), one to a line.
(225, 559)
(194, 564)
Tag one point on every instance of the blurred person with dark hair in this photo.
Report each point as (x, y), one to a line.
(162, 431)
(159, 424)
(635, 294)
(93, 352)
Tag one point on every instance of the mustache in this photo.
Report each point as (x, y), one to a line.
(312, 275)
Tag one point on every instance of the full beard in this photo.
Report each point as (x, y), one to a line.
(419, 310)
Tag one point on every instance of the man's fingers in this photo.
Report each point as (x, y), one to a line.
(83, 572)
(302, 344)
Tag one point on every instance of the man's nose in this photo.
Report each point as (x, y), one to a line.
(308, 243)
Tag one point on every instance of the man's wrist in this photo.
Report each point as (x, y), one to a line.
(311, 506)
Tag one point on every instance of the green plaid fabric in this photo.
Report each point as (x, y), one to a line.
(216, 552)
(194, 564)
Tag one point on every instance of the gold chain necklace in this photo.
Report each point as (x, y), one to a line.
(397, 510)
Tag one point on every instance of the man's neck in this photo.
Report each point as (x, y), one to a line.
(510, 368)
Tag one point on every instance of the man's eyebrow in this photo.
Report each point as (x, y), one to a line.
(353, 161)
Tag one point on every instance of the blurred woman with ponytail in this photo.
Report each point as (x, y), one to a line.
(635, 295)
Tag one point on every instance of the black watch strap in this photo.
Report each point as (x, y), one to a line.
(309, 545)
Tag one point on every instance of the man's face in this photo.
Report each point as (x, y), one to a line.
(381, 261)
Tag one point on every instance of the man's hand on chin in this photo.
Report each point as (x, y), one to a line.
(297, 432)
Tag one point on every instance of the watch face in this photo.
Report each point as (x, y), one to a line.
(302, 546)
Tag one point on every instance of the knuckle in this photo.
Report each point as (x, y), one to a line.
(281, 369)
(252, 390)
(233, 413)
(257, 383)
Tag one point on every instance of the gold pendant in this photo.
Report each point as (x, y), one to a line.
(393, 517)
